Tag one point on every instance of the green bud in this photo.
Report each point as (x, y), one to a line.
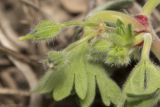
(58, 57)
(123, 35)
(118, 56)
(98, 49)
(43, 31)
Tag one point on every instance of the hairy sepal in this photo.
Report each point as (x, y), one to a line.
(45, 30)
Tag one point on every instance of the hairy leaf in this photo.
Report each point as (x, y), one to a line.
(144, 79)
(142, 86)
(109, 90)
(80, 78)
(58, 58)
(49, 81)
(91, 91)
(64, 89)
(80, 72)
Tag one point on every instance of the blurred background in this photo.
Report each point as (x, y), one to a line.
(21, 64)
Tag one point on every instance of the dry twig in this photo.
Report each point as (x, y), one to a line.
(6, 91)
(23, 67)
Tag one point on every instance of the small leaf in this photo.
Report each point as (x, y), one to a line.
(43, 31)
(77, 67)
(58, 58)
(109, 90)
(49, 81)
(80, 73)
(143, 84)
(64, 89)
(91, 91)
(92, 69)
(144, 79)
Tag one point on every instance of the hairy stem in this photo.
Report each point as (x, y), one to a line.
(156, 45)
(111, 5)
(138, 39)
(150, 6)
(146, 46)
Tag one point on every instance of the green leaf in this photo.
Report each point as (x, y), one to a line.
(80, 72)
(64, 89)
(146, 103)
(149, 101)
(144, 79)
(132, 98)
(58, 58)
(142, 86)
(43, 31)
(91, 91)
(49, 81)
(135, 82)
(81, 82)
(109, 90)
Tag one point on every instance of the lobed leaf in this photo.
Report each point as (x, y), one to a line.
(144, 79)
(142, 86)
(80, 79)
(91, 90)
(49, 81)
(80, 72)
(64, 89)
(109, 90)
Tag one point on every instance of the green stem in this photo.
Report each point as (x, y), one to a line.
(78, 23)
(75, 44)
(138, 39)
(112, 16)
(150, 6)
(111, 5)
(86, 36)
(146, 46)
(73, 23)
